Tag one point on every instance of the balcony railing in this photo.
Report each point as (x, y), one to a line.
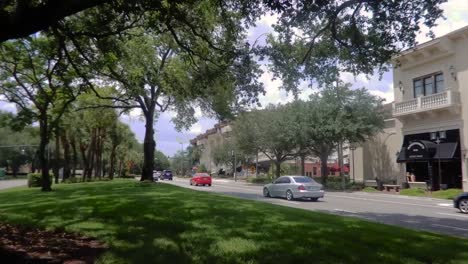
(426, 103)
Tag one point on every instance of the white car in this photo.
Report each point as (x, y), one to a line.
(156, 175)
(294, 187)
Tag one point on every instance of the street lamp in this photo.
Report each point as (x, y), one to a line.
(352, 147)
(437, 137)
(234, 165)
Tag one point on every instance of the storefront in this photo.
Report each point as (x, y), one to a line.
(434, 158)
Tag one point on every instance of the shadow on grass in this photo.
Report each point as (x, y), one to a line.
(160, 223)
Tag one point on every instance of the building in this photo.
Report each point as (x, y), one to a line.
(428, 131)
(217, 135)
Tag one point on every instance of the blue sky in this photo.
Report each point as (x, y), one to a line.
(168, 140)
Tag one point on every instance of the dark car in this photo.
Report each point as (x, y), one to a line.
(166, 175)
(461, 202)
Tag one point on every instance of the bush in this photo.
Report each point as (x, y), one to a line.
(35, 179)
(129, 176)
(259, 180)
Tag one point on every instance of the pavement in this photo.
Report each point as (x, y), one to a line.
(420, 213)
(5, 184)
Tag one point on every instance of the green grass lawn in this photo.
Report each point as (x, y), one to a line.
(160, 223)
(442, 194)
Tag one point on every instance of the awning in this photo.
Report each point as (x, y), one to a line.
(422, 150)
(446, 151)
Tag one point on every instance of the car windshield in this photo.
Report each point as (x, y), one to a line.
(201, 175)
(302, 179)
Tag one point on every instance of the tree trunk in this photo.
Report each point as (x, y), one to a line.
(120, 167)
(43, 159)
(85, 161)
(66, 155)
(91, 154)
(324, 168)
(148, 148)
(112, 162)
(340, 163)
(303, 165)
(75, 155)
(97, 159)
(56, 165)
(278, 169)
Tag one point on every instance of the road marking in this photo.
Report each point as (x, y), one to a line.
(453, 227)
(454, 214)
(383, 201)
(445, 204)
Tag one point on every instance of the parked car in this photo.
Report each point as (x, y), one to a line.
(156, 175)
(166, 175)
(202, 178)
(294, 187)
(461, 202)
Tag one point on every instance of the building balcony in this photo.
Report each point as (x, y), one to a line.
(445, 100)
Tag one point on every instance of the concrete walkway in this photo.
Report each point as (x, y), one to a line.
(5, 184)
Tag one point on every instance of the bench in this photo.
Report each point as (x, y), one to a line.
(371, 183)
(388, 187)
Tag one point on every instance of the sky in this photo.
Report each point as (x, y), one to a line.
(169, 141)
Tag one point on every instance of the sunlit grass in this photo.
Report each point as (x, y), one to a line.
(159, 223)
(442, 194)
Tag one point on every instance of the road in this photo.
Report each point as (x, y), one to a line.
(434, 215)
(5, 184)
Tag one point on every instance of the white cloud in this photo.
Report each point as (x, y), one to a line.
(196, 129)
(388, 95)
(456, 12)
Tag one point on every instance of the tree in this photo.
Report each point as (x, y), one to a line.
(316, 40)
(201, 62)
(161, 162)
(270, 134)
(337, 115)
(227, 154)
(34, 75)
(17, 148)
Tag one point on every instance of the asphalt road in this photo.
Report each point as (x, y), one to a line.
(5, 184)
(434, 215)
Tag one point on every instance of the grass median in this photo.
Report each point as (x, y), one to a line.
(161, 223)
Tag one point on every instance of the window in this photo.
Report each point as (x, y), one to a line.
(428, 85)
(303, 180)
(314, 171)
(439, 83)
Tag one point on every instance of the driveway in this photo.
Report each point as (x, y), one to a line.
(434, 215)
(5, 184)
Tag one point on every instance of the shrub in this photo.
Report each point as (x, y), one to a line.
(259, 180)
(202, 168)
(35, 179)
(129, 176)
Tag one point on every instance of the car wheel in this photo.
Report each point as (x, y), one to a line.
(463, 206)
(209, 184)
(190, 182)
(289, 195)
(314, 199)
(266, 192)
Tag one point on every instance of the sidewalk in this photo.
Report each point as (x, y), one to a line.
(6, 184)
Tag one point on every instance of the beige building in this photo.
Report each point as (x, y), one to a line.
(428, 132)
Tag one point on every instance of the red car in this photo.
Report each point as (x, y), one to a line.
(201, 179)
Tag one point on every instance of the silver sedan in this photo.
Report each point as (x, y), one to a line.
(294, 187)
